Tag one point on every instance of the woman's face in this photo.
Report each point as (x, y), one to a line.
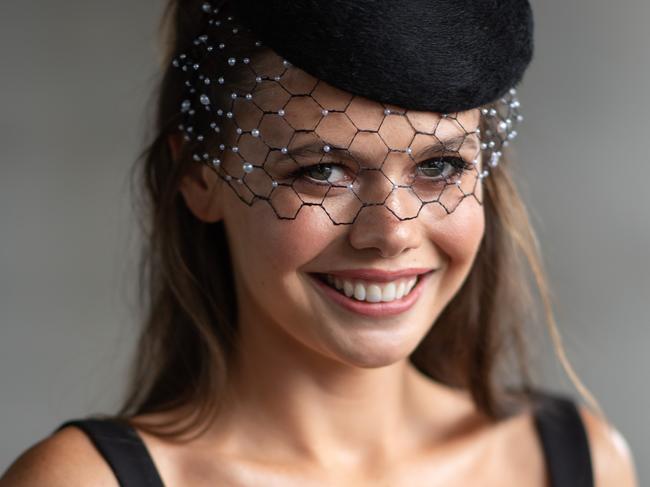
(287, 270)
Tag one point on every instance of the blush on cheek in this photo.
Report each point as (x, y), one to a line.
(459, 234)
(270, 248)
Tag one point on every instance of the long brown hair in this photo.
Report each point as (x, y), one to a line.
(190, 326)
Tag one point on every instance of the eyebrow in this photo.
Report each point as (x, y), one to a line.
(311, 148)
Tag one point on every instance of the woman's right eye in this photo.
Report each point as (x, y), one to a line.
(322, 173)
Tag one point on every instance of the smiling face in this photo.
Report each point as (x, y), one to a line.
(363, 293)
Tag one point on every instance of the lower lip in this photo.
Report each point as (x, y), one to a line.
(391, 308)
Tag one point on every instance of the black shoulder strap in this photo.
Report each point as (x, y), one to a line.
(564, 441)
(123, 450)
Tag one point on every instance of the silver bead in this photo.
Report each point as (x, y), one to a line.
(281, 113)
(233, 96)
(196, 157)
(246, 60)
(255, 133)
(206, 81)
(248, 167)
(232, 61)
(219, 112)
(258, 43)
(324, 112)
(258, 79)
(186, 105)
(216, 162)
(249, 96)
(284, 150)
(239, 131)
(387, 111)
(235, 149)
(228, 177)
(274, 184)
(205, 100)
(326, 148)
(207, 8)
(494, 159)
(229, 114)
(221, 80)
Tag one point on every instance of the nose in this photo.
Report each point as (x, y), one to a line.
(376, 227)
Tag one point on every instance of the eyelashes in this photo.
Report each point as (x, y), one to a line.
(437, 170)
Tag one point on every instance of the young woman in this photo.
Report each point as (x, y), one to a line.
(336, 264)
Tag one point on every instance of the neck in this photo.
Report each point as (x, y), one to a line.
(293, 401)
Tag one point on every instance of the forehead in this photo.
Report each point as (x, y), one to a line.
(295, 101)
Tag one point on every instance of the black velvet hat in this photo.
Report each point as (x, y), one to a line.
(433, 55)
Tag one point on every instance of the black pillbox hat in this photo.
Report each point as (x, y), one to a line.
(432, 55)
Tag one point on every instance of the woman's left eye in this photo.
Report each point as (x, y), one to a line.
(442, 167)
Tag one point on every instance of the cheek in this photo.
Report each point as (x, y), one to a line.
(269, 251)
(458, 236)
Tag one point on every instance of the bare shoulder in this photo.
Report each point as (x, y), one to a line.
(67, 458)
(613, 464)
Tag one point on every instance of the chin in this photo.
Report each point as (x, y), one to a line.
(374, 348)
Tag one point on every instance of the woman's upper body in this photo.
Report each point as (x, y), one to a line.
(295, 303)
(461, 447)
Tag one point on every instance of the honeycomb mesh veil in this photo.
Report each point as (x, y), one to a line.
(276, 134)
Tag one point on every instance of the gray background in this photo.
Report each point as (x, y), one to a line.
(76, 76)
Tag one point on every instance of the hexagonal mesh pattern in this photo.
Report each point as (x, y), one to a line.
(276, 134)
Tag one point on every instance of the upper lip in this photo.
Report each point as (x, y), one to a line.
(379, 275)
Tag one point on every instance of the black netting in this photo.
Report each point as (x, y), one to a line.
(278, 135)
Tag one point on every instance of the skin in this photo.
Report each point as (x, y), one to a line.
(321, 396)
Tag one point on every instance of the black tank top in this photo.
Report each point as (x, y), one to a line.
(558, 423)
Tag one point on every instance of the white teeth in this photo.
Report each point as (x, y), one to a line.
(348, 288)
(338, 283)
(375, 292)
(401, 287)
(359, 292)
(389, 292)
(409, 285)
